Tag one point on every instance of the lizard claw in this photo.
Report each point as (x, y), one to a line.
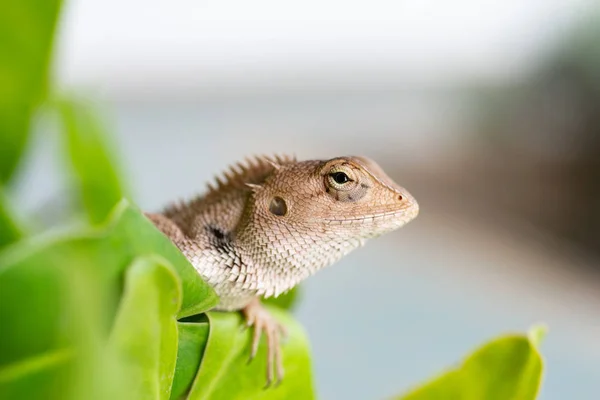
(256, 315)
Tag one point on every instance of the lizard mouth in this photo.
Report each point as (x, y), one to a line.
(403, 216)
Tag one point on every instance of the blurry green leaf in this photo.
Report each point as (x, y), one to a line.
(31, 300)
(9, 231)
(26, 35)
(14, 132)
(286, 301)
(192, 342)
(537, 333)
(51, 311)
(144, 336)
(32, 276)
(128, 234)
(226, 374)
(509, 367)
(87, 307)
(45, 283)
(35, 378)
(91, 156)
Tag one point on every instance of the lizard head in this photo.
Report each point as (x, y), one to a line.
(348, 197)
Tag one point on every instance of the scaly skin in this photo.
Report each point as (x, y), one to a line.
(270, 223)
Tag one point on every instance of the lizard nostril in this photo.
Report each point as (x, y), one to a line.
(400, 197)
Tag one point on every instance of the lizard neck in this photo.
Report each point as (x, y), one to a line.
(285, 255)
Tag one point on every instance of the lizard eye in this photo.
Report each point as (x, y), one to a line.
(346, 183)
(340, 177)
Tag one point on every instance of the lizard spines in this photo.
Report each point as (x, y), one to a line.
(251, 172)
(241, 176)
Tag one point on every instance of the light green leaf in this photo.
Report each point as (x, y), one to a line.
(537, 333)
(509, 367)
(26, 35)
(144, 336)
(226, 374)
(131, 234)
(40, 277)
(52, 312)
(91, 155)
(128, 234)
(286, 301)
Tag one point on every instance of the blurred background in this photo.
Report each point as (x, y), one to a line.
(487, 112)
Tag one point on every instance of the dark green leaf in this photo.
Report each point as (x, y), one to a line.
(15, 121)
(192, 341)
(226, 374)
(509, 367)
(36, 378)
(9, 231)
(90, 152)
(144, 336)
(26, 36)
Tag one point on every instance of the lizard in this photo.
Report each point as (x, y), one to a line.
(271, 222)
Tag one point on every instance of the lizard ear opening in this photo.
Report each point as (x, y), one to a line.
(278, 206)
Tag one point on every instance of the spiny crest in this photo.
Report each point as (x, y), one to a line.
(252, 171)
(241, 175)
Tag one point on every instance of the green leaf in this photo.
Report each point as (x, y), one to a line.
(509, 367)
(90, 153)
(126, 235)
(129, 235)
(30, 266)
(226, 374)
(537, 333)
(286, 301)
(193, 337)
(14, 132)
(26, 35)
(51, 311)
(35, 378)
(61, 293)
(9, 230)
(144, 336)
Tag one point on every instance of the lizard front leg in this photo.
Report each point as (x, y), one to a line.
(256, 314)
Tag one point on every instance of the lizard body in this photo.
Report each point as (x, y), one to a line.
(270, 223)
